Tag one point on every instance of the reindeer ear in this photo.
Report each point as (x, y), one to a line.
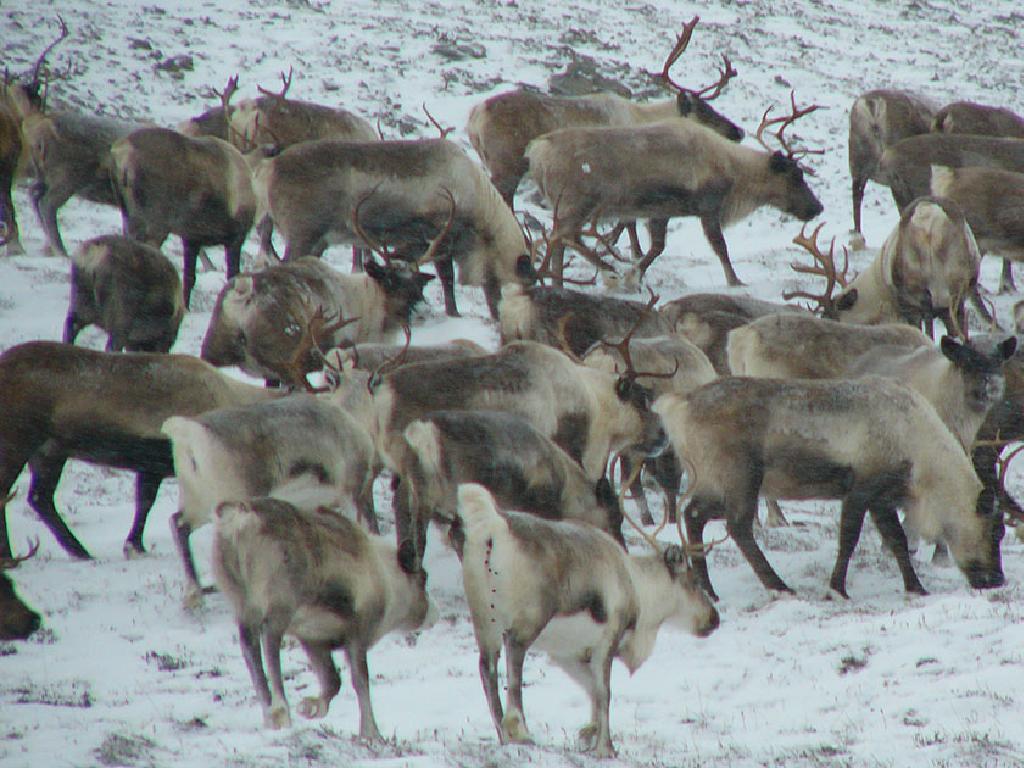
(374, 270)
(847, 300)
(952, 349)
(684, 103)
(622, 388)
(779, 163)
(675, 559)
(525, 270)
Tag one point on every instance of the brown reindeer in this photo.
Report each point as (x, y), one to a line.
(879, 119)
(978, 119)
(666, 169)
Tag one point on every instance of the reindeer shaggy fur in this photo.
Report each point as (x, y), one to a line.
(570, 590)
(320, 578)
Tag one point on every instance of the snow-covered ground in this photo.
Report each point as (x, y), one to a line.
(122, 675)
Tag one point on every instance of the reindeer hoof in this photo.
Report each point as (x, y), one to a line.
(370, 735)
(857, 242)
(313, 707)
(193, 599)
(132, 551)
(586, 737)
(513, 729)
(277, 717)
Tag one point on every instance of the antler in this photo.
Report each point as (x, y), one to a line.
(1003, 463)
(7, 563)
(46, 52)
(826, 267)
(440, 129)
(623, 346)
(391, 363)
(317, 330)
(784, 122)
(543, 269)
(435, 244)
(361, 233)
(726, 73)
(286, 83)
(226, 94)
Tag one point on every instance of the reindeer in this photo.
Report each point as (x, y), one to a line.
(926, 268)
(17, 620)
(978, 119)
(568, 589)
(501, 451)
(127, 288)
(199, 189)
(705, 319)
(370, 357)
(259, 317)
(319, 577)
(63, 402)
(879, 119)
(588, 413)
(283, 448)
(870, 442)
(422, 195)
(501, 127)
(992, 200)
(665, 169)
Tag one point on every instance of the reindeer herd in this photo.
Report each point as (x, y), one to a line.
(507, 451)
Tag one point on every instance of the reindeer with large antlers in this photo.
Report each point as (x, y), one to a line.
(501, 127)
(667, 169)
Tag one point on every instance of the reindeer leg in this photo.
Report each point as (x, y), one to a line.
(1006, 283)
(327, 676)
(489, 677)
(14, 247)
(233, 257)
(713, 232)
(513, 724)
(739, 522)
(188, 277)
(658, 230)
(181, 531)
(366, 510)
(46, 201)
(668, 473)
(46, 467)
(637, 490)
(634, 241)
(147, 484)
(851, 522)
(446, 274)
(249, 639)
(888, 524)
(859, 184)
(11, 462)
(355, 652)
(601, 666)
(697, 514)
(358, 258)
(265, 231)
(277, 715)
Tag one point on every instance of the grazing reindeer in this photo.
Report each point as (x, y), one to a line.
(63, 402)
(17, 620)
(870, 442)
(259, 317)
(501, 451)
(199, 189)
(978, 119)
(570, 590)
(926, 269)
(501, 127)
(675, 168)
(416, 196)
(992, 200)
(293, 445)
(879, 119)
(319, 577)
(128, 289)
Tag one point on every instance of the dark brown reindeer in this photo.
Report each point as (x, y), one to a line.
(661, 170)
(978, 119)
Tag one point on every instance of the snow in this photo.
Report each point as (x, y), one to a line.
(121, 674)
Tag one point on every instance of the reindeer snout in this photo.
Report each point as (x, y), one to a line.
(711, 624)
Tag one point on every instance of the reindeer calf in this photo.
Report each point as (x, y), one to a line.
(319, 577)
(978, 119)
(570, 590)
(128, 289)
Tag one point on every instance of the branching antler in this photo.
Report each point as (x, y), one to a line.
(225, 95)
(824, 266)
(7, 563)
(543, 268)
(435, 244)
(357, 227)
(433, 121)
(784, 122)
(286, 83)
(391, 363)
(317, 331)
(37, 69)
(622, 347)
(725, 73)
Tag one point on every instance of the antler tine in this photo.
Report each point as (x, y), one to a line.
(826, 267)
(623, 346)
(286, 83)
(433, 121)
(228, 92)
(361, 233)
(725, 73)
(431, 252)
(46, 51)
(784, 122)
(682, 41)
(317, 330)
(1003, 463)
(651, 539)
(13, 562)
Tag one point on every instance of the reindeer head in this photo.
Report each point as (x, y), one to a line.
(795, 198)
